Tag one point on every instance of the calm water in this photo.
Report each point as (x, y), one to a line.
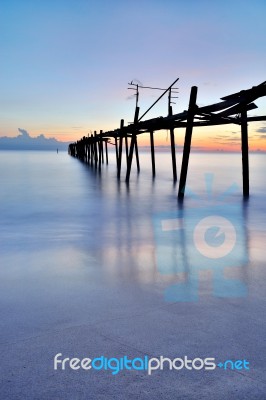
(79, 249)
(56, 210)
(59, 216)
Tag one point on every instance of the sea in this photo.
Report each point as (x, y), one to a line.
(78, 248)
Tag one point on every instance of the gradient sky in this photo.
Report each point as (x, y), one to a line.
(65, 64)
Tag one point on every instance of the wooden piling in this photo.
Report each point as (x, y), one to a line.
(101, 141)
(130, 156)
(136, 140)
(100, 154)
(92, 149)
(116, 151)
(89, 150)
(244, 148)
(95, 149)
(152, 153)
(120, 150)
(137, 154)
(106, 151)
(172, 139)
(126, 141)
(133, 145)
(187, 142)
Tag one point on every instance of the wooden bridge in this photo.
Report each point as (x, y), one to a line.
(231, 110)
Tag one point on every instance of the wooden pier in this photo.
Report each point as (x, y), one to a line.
(231, 110)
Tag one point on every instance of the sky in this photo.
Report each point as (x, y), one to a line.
(65, 64)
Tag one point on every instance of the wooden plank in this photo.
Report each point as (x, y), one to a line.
(248, 92)
(236, 110)
(217, 106)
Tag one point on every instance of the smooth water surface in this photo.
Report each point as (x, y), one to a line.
(80, 249)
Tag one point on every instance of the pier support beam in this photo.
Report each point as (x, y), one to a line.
(120, 150)
(116, 151)
(187, 143)
(89, 150)
(137, 154)
(126, 141)
(152, 154)
(100, 154)
(133, 144)
(106, 152)
(101, 147)
(92, 149)
(172, 138)
(130, 156)
(95, 149)
(244, 147)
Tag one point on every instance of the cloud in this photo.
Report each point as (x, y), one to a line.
(262, 129)
(133, 96)
(225, 139)
(261, 136)
(23, 132)
(25, 142)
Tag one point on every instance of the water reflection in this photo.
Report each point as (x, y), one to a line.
(67, 205)
(209, 236)
(134, 247)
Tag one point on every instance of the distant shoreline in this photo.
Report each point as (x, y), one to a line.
(144, 149)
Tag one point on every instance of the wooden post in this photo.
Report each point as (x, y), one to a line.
(92, 149)
(136, 141)
(106, 152)
(137, 153)
(85, 152)
(126, 140)
(133, 144)
(95, 149)
(130, 156)
(244, 147)
(89, 150)
(116, 151)
(172, 138)
(120, 150)
(102, 146)
(187, 143)
(152, 154)
(100, 153)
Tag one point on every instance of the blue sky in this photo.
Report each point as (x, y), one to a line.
(65, 64)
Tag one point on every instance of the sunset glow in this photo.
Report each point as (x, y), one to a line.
(63, 77)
